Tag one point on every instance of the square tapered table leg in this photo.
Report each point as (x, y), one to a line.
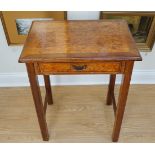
(37, 100)
(122, 100)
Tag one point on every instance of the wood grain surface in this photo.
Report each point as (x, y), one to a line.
(55, 41)
(79, 114)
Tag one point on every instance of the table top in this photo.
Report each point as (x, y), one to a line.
(67, 41)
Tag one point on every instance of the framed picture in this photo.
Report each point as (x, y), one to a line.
(17, 23)
(141, 25)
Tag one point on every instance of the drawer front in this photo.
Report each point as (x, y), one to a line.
(96, 67)
(92, 67)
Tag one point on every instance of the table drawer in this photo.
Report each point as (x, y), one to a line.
(96, 67)
(92, 67)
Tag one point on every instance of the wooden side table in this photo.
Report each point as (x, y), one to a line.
(80, 47)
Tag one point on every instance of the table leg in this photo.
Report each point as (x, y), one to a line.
(37, 100)
(122, 100)
(111, 89)
(48, 89)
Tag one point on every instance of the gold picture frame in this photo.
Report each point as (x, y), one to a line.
(0, 14)
(150, 38)
(9, 22)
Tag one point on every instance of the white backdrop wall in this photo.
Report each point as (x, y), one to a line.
(14, 74)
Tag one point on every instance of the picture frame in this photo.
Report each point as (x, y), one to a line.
(144, 44)
(12, 19)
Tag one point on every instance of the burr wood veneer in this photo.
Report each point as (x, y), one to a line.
(80, 47)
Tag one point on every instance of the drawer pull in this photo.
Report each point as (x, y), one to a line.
(79, 68)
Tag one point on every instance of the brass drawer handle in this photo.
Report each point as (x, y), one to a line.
(79, 68)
